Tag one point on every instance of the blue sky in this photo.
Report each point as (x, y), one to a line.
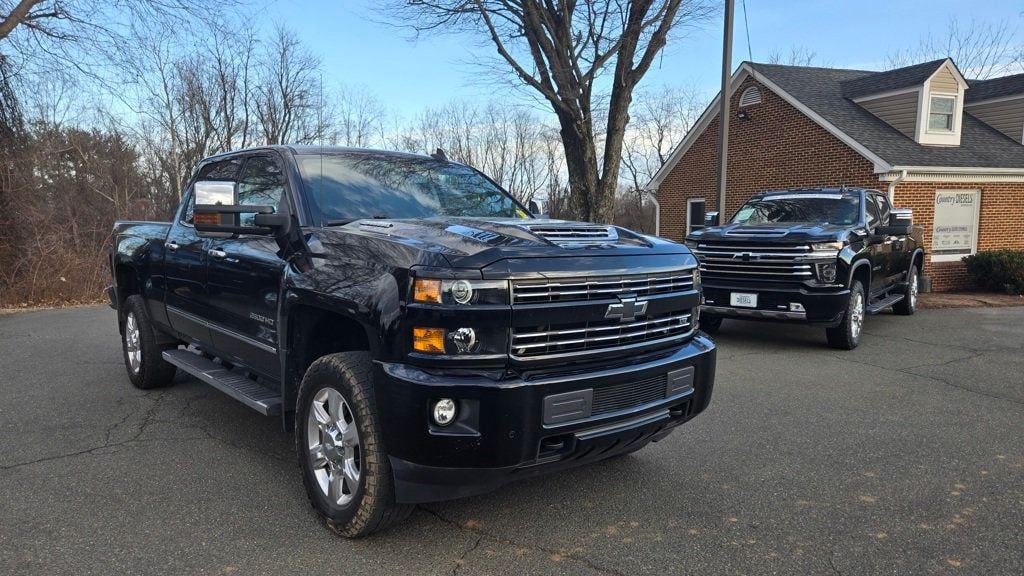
(410, 75)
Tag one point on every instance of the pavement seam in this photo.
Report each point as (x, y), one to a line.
(510, 542)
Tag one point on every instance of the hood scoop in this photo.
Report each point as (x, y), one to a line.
(574, 233)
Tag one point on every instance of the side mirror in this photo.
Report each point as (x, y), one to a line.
(537, 209)
(711, 219)
(217, 212)
(892, 231)
(901, 217)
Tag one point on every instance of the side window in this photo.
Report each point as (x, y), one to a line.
(261, 184)
(883, 209)
(189, 213)
(872, 212)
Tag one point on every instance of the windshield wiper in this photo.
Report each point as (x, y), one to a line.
(343, 221)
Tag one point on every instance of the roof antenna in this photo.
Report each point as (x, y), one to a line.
(439, 155)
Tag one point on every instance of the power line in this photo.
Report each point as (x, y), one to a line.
(746, 26)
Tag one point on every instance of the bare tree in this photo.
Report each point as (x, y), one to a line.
(561, 51)
(981, 50)
(289, 97)
(360, 118)
(797, 56)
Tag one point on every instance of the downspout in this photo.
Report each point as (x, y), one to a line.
(893, 184)
(657, 212)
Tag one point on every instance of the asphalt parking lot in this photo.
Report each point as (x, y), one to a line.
(905, 456)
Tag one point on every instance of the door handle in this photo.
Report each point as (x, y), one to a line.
(217, 254)
(172, 246)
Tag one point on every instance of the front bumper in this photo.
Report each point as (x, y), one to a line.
(501, 434)
(820, 307)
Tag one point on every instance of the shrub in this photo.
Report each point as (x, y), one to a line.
(999, 270)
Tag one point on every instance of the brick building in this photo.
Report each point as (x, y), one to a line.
(948, 148)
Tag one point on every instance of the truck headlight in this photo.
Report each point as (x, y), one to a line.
(696, 278)
(460, 291)
(827, 246)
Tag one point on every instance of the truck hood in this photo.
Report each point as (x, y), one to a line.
(478, 242)
(788, 233)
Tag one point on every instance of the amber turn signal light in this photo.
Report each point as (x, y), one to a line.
(427, 291)
(429, 340)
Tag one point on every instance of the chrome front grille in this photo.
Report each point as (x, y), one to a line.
(598, 335)
(743, 261)
(570, 289)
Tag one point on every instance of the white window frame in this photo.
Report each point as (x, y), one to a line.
(689, 211)
(952, 115)
(977, 224)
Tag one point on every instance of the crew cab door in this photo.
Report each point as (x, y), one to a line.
(184, 275)
(898, 258)
(245, 272)
(880, 252)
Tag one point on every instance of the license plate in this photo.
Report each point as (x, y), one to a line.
(743, 300)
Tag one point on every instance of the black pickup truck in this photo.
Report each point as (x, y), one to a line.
(422, 333)
(822, 256)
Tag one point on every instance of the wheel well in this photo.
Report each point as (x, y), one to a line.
(862, 273)
(316, 332)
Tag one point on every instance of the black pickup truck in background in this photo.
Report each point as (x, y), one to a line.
(821, 256)
(423, 335)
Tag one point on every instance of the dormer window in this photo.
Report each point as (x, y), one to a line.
(940, 114)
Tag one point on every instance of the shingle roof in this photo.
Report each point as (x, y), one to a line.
(878, 82)
(822, 90)
(995, 88)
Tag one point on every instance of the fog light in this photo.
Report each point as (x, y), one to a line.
(796, 307)
(827, 272)
(444, 411)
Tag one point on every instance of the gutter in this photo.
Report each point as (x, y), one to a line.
(892, 186)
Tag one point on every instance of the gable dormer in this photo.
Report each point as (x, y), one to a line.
(999, 103)
(925, 101)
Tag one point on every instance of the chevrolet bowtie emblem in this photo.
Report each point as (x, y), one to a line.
(626, 310)
(746, 256)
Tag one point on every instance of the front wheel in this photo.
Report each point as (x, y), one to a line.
(846, 336)
(338, 440)
(908, 305)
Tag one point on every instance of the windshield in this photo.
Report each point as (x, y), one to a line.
(366, 185)
(843, 209)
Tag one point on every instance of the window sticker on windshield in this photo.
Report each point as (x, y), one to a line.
(744, 214)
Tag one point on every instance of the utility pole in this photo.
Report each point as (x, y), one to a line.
(723, 113)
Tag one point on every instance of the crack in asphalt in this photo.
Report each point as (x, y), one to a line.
(510, 542)
(462, 559)
(934, 378)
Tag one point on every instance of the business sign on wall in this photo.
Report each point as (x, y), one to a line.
(956, 224)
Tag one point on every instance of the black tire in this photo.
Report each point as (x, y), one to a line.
(846, 336)
(372, 506)
(709, 323)
(908, 305)
(151, 371)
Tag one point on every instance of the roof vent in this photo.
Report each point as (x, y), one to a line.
(750, 96)
(576, 234)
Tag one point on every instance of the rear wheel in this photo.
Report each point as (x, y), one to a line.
(846, 336)
(710, 323)
(337, 437)
(908, 305)
(143, 354)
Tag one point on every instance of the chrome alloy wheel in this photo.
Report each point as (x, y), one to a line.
(913, 291)
(857, 315)
(132, 343)
(333, 442)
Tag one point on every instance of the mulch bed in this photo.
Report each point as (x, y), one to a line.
(968, 300)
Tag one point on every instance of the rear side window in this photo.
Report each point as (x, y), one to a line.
(884, 210)
(261, 183)
(872, 213)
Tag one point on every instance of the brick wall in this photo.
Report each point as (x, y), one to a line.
(779, 147)
(1001, 223)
